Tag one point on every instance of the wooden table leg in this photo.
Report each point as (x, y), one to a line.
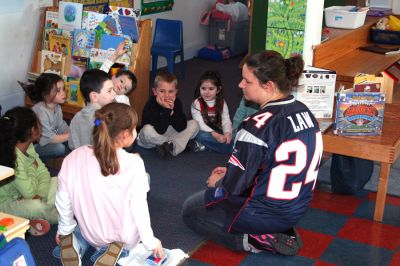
(382, 190)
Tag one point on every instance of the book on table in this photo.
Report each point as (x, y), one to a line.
(359, 113)
(385, 50)
(316, 89)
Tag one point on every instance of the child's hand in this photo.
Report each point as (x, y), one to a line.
(37, 197)
(161, 101)
(158, 251)
(58, 241)
(168, 103)
(118, 52)
(228, 137)
(219, 137)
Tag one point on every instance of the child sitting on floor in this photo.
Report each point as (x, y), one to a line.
(102, 190)
(210, 110)
(124, 81)
(165, 126)
(48, 93)
(97, 90)
(31, 192)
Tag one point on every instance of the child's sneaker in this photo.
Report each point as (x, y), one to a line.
(39, 227)
(281, 243)
(165, 149)
(198, 146)
(111, 256)
(190, 145)
(69, 251)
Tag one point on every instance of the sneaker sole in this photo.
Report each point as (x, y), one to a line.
(111, 256)
(282, 245)
(69, 256)
(298, 238)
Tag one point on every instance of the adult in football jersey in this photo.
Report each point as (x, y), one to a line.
(254, 202)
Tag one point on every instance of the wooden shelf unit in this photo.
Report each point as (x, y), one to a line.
(340, 53)
(140, 66)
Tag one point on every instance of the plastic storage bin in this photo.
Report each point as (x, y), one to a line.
(385, 36)
(342, 17)
(236, 38)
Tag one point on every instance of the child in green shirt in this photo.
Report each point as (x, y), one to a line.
(31, 192)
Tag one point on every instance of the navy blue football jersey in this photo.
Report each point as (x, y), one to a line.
(273, 166)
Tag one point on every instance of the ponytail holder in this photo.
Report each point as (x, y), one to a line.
(97, 122)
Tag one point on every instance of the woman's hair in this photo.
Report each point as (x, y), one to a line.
(110, 121)
(15, 126)
(44, 89)
(271, 66)
(215, 78)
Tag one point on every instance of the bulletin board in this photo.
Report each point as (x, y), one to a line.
(156, 6)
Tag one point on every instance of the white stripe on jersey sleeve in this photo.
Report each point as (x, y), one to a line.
(245, 136)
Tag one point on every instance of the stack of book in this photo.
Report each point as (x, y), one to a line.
(360, 110)
(77, 37)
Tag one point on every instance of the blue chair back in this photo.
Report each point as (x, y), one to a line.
(168, 34)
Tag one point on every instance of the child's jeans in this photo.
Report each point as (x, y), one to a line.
(211, 143)
(83, 247)
(52, 150)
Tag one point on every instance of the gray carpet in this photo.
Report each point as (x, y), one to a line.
(175, 179)
(172, 181)
(372, 185)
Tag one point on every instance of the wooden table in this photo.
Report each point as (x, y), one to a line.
(20, 225)
(17, 229)
(340, 53)
(384, 149)
(6, 172)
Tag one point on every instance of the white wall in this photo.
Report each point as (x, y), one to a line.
(313, 28)
(18, 35)
(195, 36)
(18, 30)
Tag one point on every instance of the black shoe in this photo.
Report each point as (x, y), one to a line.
(165, 149)
(281, 243)
(190, 145)
(169, 147)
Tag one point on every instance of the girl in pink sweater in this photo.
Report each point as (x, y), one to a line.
(102, 190)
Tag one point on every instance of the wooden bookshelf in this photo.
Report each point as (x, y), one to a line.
(340, 53)
(140, 66)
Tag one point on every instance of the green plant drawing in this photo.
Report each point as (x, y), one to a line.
(285, 26)
(156, 6)
(286, 42)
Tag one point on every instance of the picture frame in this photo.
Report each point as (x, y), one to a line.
(74, 95)
(156, 6)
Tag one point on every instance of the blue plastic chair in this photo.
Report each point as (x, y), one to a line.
(168, 42)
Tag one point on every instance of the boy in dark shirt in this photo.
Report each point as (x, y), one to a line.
(165, 126)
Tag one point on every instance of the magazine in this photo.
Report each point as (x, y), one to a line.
(359, 113)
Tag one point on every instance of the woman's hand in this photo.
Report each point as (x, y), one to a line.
(216, 174)
(158, 251)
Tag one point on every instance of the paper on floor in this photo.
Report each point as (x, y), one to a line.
(139, 254)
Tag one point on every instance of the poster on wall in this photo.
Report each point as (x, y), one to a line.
(285, 26)
(156, 6)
